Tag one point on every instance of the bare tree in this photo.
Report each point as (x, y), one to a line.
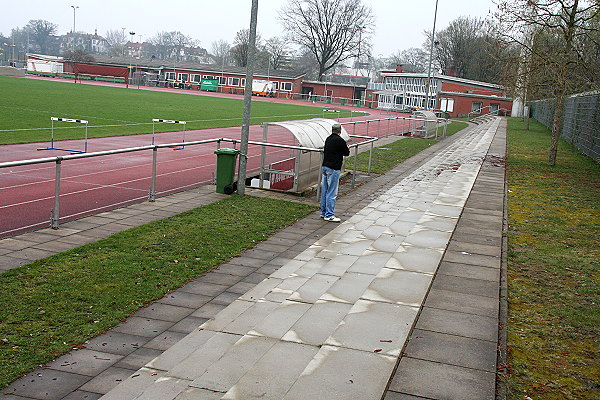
(278, 51)
(239, 51)
(413, 60)
(559, 27)
(220, 51)
(40, 31)
(115, 40)
(331, 30)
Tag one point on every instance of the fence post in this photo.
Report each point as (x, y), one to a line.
(370, 158)
(355, 160)
(55, 213)
(152, 195)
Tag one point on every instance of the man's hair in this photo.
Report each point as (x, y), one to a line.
(337, 128)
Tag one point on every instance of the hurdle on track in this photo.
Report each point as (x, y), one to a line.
(331, 111)
(77, 121)
(170, 121)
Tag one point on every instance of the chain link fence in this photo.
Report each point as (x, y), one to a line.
(581, 120)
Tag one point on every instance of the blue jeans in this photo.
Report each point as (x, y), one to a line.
(329, 187)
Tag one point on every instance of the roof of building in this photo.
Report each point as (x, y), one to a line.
(443, 77)
(191, 66)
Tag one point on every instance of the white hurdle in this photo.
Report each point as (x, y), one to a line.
(170, 121)
(77, 121)
(332, 110)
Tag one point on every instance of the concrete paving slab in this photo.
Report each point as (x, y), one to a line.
(165, 340)
(227, 315)
(399, 287)
(138, 358)
(317, 324)
(370, 262)
(145, 327)
(458, 323)
(462, 302)
(313, 289)
(426, 238)
(185, 299)
(339, 265)
(470, 271)
(414, 258)
(164, 312)
(106, 380)
(116, 343)
(477, 287)
(209, 310)
(280, 320)
(343, 373)
(225, 278)
(442, 381)
(453, 350)
(189, 360)
(198, 286)
(188, 324)
(226, 298)
(240, 358)
(165, 388)
(374, 327)
(80, 395)
(50, 383)
(274, 374)
(250, 317)
(348, 288)
(465, 257)
(84, 362)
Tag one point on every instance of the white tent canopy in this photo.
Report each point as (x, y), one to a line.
(311, 132)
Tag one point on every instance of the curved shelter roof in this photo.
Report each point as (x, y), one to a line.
(311, 132)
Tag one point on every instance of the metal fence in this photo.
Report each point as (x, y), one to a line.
(581, 120)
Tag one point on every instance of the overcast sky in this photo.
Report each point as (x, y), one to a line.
(399, 23)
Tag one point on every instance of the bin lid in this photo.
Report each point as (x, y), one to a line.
(227, 151)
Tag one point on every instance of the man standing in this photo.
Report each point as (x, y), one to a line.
(333, 156)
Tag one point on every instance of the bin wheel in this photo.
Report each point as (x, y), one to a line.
(231, 188)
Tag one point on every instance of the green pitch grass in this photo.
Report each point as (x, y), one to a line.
(26, 106)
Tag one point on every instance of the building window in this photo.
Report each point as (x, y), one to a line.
(183, 77)
(170, 76)
(286, 86)
(234, 81)
(208, 77)
(276, 85)
(195, 78)
(222, 80)
(243, 82)
(476, 107)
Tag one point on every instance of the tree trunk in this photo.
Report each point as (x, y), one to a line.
(556, 127)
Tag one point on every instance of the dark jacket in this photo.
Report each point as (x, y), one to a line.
(334, 151)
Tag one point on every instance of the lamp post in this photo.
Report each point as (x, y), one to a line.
(360, 29)
(428, 82)
(130, 64)
(74, 9)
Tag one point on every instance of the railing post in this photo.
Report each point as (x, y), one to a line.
(320, 176)
(152, 194)
(370, 159)
(388, 128)
(379, 127)
(355, 161)
(55, 213)
(263, 155)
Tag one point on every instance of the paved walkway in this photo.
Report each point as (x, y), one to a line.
(400, 301)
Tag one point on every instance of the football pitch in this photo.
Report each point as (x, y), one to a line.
(26, 106)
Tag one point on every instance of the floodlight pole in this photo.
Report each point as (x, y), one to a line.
(241, 187)
(428, 82)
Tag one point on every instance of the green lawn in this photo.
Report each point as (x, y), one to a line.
(57, 303)
(26, 106)
(553, 269)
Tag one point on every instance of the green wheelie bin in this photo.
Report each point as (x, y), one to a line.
(225, 169)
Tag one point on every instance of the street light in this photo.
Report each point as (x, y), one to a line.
(130, 66)
(74, 9)
(428, 83)
(360, 29)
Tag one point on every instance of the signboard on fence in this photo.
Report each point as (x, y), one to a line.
(280, 181)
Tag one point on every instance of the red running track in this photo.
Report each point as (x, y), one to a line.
(95, 184)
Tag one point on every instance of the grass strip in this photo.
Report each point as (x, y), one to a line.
(388, 156)
(29, 104)
(57, 303)
(553, 260)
